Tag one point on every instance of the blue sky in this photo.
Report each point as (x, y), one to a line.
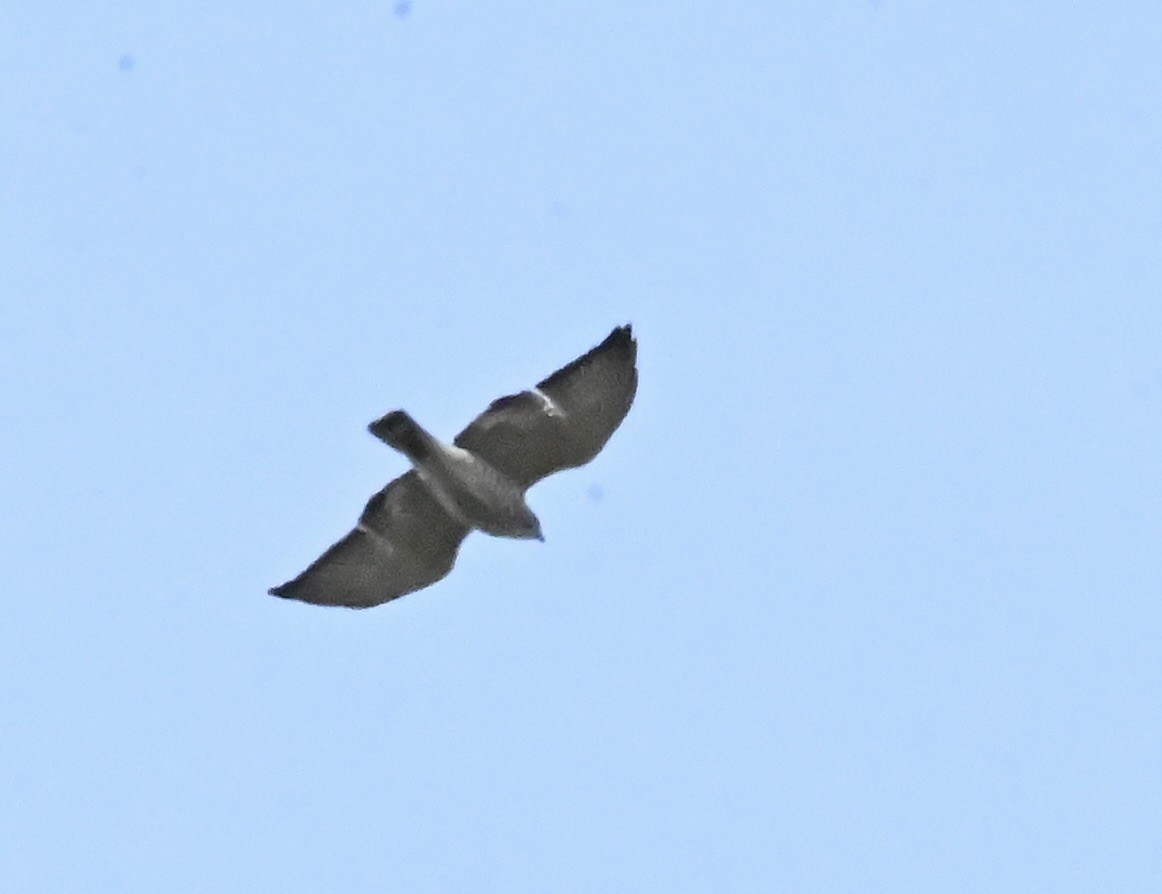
(863, 596)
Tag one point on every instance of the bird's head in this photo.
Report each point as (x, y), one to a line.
(530, 526)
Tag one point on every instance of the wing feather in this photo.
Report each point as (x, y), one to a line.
(404, 541)
(563, 422)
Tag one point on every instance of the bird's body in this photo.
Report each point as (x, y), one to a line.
(410, 532)
(465, 486)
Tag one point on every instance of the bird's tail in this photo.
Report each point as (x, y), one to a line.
(397, 429)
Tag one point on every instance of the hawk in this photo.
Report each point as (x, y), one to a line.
(410, 532)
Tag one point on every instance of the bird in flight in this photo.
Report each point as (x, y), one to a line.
(409, 533)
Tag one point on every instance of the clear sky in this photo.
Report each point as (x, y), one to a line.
(866, 593)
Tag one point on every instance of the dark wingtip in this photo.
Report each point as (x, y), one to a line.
(621, 337)
(278, 591)
(620, 343)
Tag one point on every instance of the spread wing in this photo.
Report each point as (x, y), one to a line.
(404, 541)
(564, 421)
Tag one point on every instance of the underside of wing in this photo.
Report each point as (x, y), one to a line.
(404, 541)
(564, 421)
